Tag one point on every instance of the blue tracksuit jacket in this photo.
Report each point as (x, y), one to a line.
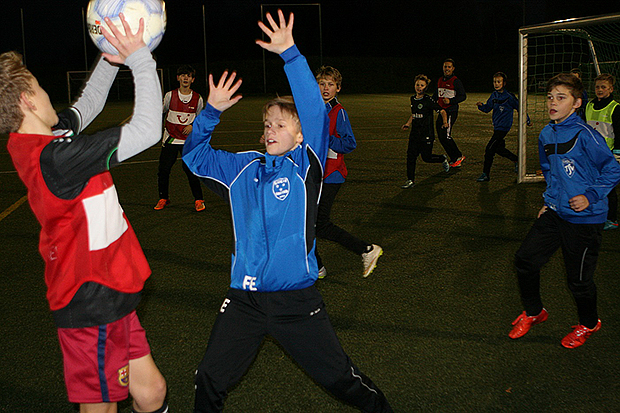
(273, 199)
(502, 104)
(575, 160)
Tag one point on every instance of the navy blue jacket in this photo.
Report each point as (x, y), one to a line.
(502, 104)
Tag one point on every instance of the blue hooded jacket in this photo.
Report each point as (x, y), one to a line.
(575, 160)
(502, 104)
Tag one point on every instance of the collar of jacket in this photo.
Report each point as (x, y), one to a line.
(571, 121)
(273, 162)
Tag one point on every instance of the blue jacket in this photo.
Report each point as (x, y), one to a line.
(273, 199)
(575, 160)
(343, 143)
(502, 105)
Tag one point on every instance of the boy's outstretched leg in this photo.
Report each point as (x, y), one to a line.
(311, 340)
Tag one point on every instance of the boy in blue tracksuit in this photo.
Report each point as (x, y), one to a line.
(580, 170)
(502, 103)
(273, 199)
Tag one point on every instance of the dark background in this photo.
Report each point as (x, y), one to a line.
(378, 46)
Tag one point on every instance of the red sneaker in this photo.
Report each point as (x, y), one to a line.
(200, 205)
(161, 204)
(523, 323)
(579, 335)
(458, 162)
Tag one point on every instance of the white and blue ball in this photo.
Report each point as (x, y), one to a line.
(152, 11)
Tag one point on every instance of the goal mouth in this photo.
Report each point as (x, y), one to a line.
(590, 45)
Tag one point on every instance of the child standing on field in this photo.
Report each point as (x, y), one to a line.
(94, 266)
(580, 170)
(273, 199)
(180, 108)
(502, 103)
(422, 133)
(341, 142)
(604, 116)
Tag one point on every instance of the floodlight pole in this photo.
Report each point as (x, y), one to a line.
(84, 39)
(204, 34)
(21, 11)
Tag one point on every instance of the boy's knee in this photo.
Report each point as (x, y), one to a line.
(151, 397)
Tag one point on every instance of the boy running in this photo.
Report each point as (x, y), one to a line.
(341, 142)
(502, 103)
(422, 135)
(273, 199)
(580, 170)
(94, 266)
(449, 93)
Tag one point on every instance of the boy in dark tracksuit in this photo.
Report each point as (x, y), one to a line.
(449, 93)
(580, 170)
(422, 135)
(273, 199)
(502, 103)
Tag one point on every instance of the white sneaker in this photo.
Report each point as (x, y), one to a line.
(369, 259)
(322, 273)
(408, 184)
(446, 165)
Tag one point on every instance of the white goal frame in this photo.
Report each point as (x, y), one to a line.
(83, 75)
(564, 27)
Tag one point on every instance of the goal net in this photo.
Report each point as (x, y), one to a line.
(121, 90)
(589, 44)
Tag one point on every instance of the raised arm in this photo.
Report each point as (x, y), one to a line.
(143, 130)
(95, 93)
(306, 92)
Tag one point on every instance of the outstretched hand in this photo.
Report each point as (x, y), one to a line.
(281, 35)
(126, 43)
(221, 95)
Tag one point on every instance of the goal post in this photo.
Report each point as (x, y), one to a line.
(590, 44)
(121, 90)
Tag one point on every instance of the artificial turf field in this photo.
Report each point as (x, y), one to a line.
(429, 326)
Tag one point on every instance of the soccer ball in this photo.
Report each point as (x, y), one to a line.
(152, 11)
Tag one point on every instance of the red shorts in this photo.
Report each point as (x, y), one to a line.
(96, 359)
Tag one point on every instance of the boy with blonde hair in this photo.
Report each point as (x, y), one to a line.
(273, 199)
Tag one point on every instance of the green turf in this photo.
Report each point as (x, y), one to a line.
(429, 326)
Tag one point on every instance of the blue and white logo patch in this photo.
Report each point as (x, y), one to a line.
(569, 167)
(281, 188)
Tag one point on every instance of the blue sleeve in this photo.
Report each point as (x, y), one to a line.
(308, 101)
(606, 165)
(346, 142)
(488, 106)
(206, 162)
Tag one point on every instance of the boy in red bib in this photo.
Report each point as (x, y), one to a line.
(94, 266)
